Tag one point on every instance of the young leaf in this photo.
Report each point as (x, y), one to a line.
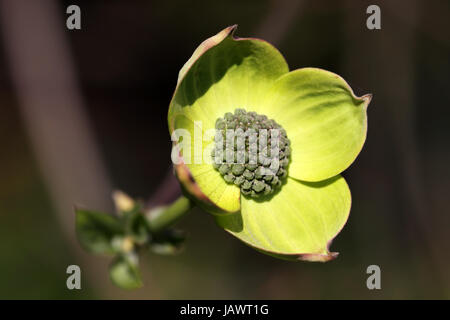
(95, 230)
(168, 242)
(136, 226)
(124, 272)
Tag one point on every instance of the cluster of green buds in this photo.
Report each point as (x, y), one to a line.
(132, 230)
(252, 152)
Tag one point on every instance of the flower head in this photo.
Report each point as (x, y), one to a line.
(252, 152)
(262, 148)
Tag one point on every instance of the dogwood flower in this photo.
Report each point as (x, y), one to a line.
(245, 83)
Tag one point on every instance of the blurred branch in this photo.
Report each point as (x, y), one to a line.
(51, 105)
(392, 76)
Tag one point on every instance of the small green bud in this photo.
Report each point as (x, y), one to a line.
(232, 125)
(229, 178)
(224, 168)
(287, 151)
(258, 186)
(280, 172)
(259, 173)
(220, 124)
(248, 174)
(274, 181)
(246, 185)
(284, 163)
(239, 180)
(237, 169)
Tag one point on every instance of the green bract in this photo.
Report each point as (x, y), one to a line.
(324, 121)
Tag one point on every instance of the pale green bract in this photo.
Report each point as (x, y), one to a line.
(325, 122)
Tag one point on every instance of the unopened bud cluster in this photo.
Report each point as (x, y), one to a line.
(252, 152)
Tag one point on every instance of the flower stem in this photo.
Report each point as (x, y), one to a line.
(163, 217)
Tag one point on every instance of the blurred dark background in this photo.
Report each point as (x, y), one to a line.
(83, 112)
